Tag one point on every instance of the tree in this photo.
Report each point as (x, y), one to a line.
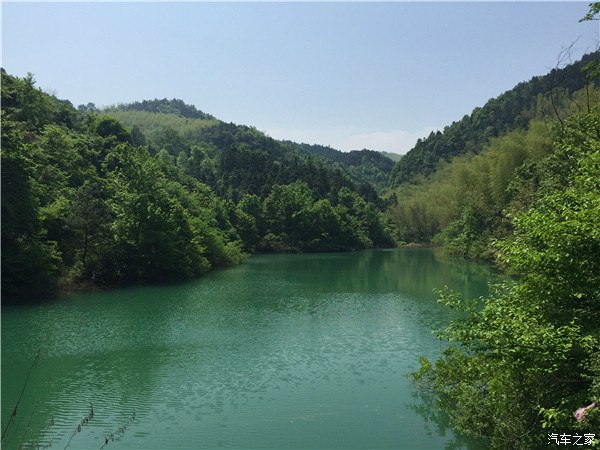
(29, 265)
(107, 127)
(90, 218)
(322, 227)
(283, 208)
(24, 103)
(152, 238)
(498, 116)
(137, 136)
(593, 12)
(528, 356)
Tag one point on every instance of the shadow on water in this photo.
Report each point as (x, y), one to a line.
(409, 271)
(437, 422)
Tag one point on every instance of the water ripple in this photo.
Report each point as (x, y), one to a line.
(283, 351)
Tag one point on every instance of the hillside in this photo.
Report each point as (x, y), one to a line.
(165, 106)
(362, 166)
(393, 156)
(88, 200)
(509, 111)
(232, 159)
(238, 161)
(469, 202)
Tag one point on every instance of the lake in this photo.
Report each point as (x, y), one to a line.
(282, 351)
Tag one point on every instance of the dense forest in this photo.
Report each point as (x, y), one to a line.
(90, 200)
(469, 200)
(362, 166)
(527, 358)
(524, 364)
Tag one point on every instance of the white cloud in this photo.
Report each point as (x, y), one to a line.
(348, 138)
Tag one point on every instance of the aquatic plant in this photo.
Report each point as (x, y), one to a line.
(13, 414)
(118, 432)
(86, 419)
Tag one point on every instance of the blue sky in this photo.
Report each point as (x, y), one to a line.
(349, 75)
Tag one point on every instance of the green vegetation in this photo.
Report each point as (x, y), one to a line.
(167, 193)
(393, 156)
(469, 201)
(165, 106)
(508, 112)
(156, 191)
(280, 196)
(525, 362)
(528, 357)
(82, 204)
(364, 167)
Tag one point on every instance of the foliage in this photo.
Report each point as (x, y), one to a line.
(149, 123)
(291, 218)
(82, 203)
(362, 166)
(470, 201)
(165, 106)
(528, 356)
(29, 263)
(393, 156)
(165, 194)
(274, 190)
(467, 196)
(152, 235)
(593, 12)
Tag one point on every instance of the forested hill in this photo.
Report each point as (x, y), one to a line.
(362, 166)
(233, 159)
(530, 200)
(163, 123)
(469, 203)
(88, 199)
(510, 111)
(165, 106)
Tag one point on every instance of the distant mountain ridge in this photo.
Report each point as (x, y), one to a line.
(232, 159)
(351, 158)
(361, 165)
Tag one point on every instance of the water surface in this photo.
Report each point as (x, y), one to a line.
(283, 351)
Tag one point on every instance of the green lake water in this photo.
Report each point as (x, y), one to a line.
(282, 351)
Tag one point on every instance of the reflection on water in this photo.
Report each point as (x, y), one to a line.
(283, 351)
